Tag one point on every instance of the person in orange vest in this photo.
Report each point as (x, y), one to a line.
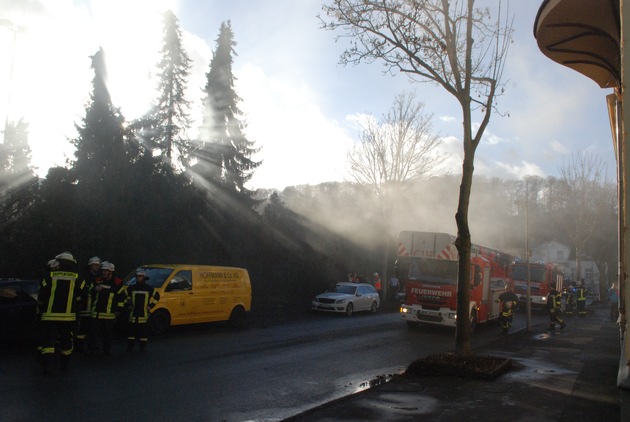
(377, 283)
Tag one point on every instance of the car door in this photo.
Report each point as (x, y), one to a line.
(363, 300)
(178, 297)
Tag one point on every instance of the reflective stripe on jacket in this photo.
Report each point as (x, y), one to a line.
(58, 294)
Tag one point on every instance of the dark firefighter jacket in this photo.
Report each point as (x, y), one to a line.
(554, 300)
(109, 299)
(57, 296)
(141, 298)
(86, 300)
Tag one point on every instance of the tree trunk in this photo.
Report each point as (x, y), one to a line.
(463, 242)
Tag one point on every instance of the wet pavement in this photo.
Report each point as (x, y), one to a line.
(565, 376)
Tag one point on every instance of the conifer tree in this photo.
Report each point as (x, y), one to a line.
(15, 155)
(164, 127)
(102, 165)
(225, 152)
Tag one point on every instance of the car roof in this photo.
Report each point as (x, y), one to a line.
(347, 283)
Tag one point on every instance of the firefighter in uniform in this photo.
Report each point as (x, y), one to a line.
(108, 303)
(84, 315)
(580, 294)
(554, 303)
(57, 296)
(570, 300)
(141, 298)
(509, 301)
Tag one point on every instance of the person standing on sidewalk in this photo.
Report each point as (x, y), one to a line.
(554, 302)
(392, 290)
(57, 296)
(109, 301)
(141, 298)
(580, 294)
(84, 314)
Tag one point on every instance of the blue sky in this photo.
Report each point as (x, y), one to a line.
(301, 105)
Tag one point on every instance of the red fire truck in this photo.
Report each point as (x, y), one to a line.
(541, 275)
(427, 267)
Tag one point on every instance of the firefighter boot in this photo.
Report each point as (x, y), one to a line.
(130, 343)
(143, 345)
(552, 327)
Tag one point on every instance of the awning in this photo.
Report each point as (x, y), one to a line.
(583, 35)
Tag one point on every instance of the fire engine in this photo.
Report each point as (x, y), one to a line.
(427, 267)
(541, 275)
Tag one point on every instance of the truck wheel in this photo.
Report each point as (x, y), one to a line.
(159, 321)
(237, 317)
(412, 325)
(349, 309)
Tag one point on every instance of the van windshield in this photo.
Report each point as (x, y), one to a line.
(155, 276)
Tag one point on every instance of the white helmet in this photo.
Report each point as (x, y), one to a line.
(53, 264)
(94, 260)
(141, 271)
(106, 265)
(66, 256)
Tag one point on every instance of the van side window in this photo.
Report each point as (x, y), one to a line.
(181, 281)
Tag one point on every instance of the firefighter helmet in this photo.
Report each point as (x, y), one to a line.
(94, 260)
(67, 256)
(106, 265)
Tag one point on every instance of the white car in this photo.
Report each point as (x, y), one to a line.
(348, 298)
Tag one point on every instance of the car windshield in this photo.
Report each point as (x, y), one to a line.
(345, 288)
(155, 276)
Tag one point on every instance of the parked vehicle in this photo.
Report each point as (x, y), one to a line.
(427, 266)
(348, 298)
(192, 294)
(541, 276)
(18, 306)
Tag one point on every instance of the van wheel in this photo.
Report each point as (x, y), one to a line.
(237, 317)
(159, 321)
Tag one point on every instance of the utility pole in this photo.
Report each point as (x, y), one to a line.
(527, 255)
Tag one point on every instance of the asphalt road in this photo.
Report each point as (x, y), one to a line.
(212, 373)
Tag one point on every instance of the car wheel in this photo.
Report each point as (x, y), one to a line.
(159, 321)
(374, 307)
(349, 309)
(237, 317)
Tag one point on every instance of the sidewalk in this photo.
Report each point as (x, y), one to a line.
(567, 376)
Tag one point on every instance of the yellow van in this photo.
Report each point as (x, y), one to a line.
(192, 294)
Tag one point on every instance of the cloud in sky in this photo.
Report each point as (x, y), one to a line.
(299, 102)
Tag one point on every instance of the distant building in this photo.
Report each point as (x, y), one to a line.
(561, 254)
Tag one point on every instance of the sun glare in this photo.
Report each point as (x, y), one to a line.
(51, 66)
